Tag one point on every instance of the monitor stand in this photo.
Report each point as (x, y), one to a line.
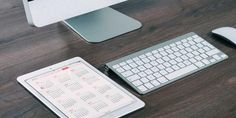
(102, 25)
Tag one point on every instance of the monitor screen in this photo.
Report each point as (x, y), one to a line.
(44, 12)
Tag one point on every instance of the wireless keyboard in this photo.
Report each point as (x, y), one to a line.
(162, 64)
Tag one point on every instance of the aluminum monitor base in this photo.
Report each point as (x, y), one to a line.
(102, 25)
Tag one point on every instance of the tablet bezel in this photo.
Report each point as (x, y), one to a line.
(137, 104)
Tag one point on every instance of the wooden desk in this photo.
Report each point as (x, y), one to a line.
(210, 93)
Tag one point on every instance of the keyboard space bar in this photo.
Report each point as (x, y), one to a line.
(181, 72)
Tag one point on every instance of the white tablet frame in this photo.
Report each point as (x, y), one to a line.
(117, 113)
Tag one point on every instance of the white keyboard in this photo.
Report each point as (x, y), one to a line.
(165, 63)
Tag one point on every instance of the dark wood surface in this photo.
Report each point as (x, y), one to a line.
(210, 93)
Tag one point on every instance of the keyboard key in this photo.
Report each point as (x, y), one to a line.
(148, 72)
(127, 73)
(163, 72)
(163, 53)
(161, 67)
(200, 64)
(201, 50)
(142, 74)
(181, 65)
(133, 78)
(167, 47)
(142, 56)
(172, 56)
(175, 67)
(136, 59)
(173, 62)
(123, 64)
(195, 52)
(148, 54)
(183, 52)
(198, 40)
(181, 72)
(181, 47)
(184, 57)
(120, 70)
(145, 60)
(198, 58)
(154, 51)
(154, 69)
(213, 52)
(193, 60)
(144, 80)
(129, 61)
(177, 54)
(184, 41)
(142, 68)
(203, 55)
(175, 49)
(205, 61)
(166, 64)
(150, 77)
(169, 51)
(224, 56)
(166, 58)
(139, 62)
(135, 70)
(193, 47)
(179, 59)
(148, 65)
(195, 36)
(157, 75)
(169, 70)
(190, 38)
(173, 45)
(191, 42)
(160, 49)
(127, 67)
(149, 85)
(137, 83)
(187, 62)
(216, 57)
(200, 45)
(154, 63)
(157, 55)
(206, 48)
(160, 61)
(162, 80)
(208, 45)
(190, 55)
(142, 88)
(155, 83)
(189, 49)
(178, 43)
(186, 44)
(133, 65)
(152, 58)
(115, 66)
(212, 60)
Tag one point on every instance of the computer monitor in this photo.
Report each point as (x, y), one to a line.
(93, 20)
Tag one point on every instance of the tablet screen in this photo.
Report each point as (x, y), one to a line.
(79, 92)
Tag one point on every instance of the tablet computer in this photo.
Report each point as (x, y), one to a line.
(75, 89)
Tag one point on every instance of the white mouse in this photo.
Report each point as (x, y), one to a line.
(229, 33)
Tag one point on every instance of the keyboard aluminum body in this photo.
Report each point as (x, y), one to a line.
(164, 63)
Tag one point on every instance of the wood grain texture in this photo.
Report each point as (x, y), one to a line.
(210, 93)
